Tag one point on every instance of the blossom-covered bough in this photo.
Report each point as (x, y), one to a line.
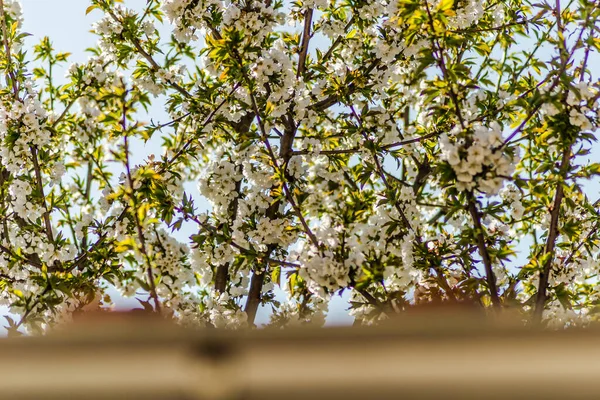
(407, 151)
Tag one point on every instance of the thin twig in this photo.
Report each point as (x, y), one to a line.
(148, 57)
(138, 223)
(10, 72)
(40, 187)
(190, 140)
(410, 141)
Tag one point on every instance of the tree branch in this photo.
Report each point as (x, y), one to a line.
(542, 295)
(40, 187)
(148, 57)
(10, 73)
(222, 274)
(487, 262)
(189, 142)
(305, 40)
(136, 217)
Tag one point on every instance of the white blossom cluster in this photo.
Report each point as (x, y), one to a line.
(169, 261)
(107, 28)
(21, 126)
(271, 232)
(188, 16)
(292, 314)
(255, 18)
(222, 315)
(510, 194)
(581, 101)
(471, 12)
(218, 181)
(275, 67)
(94, 70)
(483, 163)
(581, 105)
(316, 149)
(155, 82)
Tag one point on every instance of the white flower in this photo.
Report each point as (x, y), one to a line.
(580, 120)
(549, 109)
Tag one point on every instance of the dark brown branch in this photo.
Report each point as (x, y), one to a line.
(355, 150)
(287, 141)
(258, 275)
(581, 243)
(305, 40)
(34, 305)
(32, 260)
(565, 165)
(487, 262)
(542, 295)
(172, 122)
(254, 295)
(286, 190)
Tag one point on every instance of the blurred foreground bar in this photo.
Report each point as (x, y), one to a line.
(427, 356)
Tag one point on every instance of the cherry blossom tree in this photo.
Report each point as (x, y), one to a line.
(406, 151)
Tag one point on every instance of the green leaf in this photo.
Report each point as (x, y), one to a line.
(445, 5)
(90, 9)
(276, 275)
